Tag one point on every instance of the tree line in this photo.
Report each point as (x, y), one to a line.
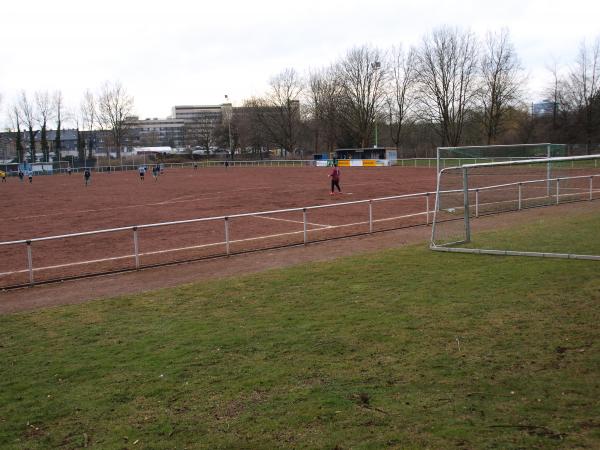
(106, 110)
(453, 88)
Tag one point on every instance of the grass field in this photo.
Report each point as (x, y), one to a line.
(401, 349)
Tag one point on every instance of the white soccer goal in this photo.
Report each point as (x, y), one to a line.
(474, 154)
(467, 192)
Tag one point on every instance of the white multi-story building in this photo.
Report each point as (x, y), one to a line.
(188, 125)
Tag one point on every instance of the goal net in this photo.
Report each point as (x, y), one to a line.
(457, 156)
(467, 193)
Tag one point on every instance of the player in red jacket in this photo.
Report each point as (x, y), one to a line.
(335, 179)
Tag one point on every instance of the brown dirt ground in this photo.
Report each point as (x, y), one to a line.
(56, 205)
(83, 290)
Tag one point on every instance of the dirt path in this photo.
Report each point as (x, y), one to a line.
(79, 291)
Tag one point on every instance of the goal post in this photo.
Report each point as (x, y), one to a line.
(469, 191)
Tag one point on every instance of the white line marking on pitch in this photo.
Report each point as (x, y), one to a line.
(293, 221)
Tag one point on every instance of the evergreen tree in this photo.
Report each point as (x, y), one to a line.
(44, 143)
(80, 146)
(57, 141)
(19, 144)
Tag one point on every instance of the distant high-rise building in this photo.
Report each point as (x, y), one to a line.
(543, 108)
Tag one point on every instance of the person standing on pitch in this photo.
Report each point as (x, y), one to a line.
(335, 179)
(21, 175)
(69, 170)
(86, 175)
(4, 177)
(30, 175)
(142, 171)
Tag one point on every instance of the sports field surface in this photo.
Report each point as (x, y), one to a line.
(61, 204)
(405, 348)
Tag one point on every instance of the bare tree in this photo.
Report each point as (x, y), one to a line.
(501, 81)
(89, 120)
(279, 112)
(448, 60)
(115, 105)
(401, 93)
(555, 92)
(582, 90)
(362, 78)
(324, 96)
(45, 110)
(27, 115)
(15, 120)
(247, 127)
(204, 133)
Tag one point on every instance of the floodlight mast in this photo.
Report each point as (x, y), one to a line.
(229, 128)
(376, 66)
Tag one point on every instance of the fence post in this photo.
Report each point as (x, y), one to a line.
(557, 190)
(476, 202)
(227, 235)
(466, 205)
(370, 216)
(136, 248)
(591, 187)
(304, 225)
(520, 195)
(30, 263)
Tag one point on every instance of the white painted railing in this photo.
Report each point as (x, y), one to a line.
(134, 229)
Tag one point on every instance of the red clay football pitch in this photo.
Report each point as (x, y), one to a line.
(61, 204)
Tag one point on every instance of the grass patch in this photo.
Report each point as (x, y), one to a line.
(573, 233)
(400, 349)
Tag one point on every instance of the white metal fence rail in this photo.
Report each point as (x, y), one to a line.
(404, 162)
(228, 239)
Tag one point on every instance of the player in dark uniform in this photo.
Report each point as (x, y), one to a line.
(335, 179)
(86, 175)
(21, 175)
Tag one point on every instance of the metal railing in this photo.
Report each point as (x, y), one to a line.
(227, 233)
(403, 162)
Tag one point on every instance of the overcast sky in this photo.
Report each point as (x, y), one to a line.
(194, 52)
